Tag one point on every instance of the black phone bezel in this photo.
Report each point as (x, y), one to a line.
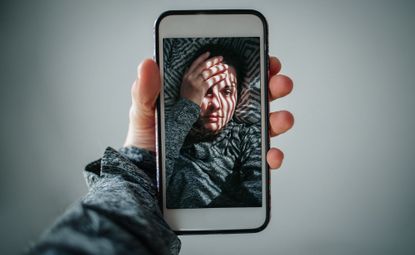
(266, 128)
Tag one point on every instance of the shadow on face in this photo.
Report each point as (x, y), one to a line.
(218, 105)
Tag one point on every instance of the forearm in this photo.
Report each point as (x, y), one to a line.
(119, 215)
(179, 122)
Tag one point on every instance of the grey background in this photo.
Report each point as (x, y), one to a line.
(346, 186)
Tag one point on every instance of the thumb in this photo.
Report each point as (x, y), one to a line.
(146, 88)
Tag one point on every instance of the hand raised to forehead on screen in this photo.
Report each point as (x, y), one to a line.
(202, 74)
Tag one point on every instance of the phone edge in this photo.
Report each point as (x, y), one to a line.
(267, 145)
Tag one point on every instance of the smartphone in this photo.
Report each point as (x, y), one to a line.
(212, 120)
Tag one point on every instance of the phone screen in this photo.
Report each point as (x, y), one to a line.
(213, 156)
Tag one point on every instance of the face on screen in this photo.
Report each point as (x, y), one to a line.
(219, 103)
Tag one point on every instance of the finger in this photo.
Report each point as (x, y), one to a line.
(215, 79)
(274, 66)
(275, 158)
(280, 122)
(219, 68)
(279, 86)
(146, 88)
(199, 60)
(208, 63)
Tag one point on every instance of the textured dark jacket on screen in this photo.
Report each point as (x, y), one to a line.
(222, 170)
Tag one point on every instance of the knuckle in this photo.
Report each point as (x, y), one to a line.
(190, 77)
(205, 74)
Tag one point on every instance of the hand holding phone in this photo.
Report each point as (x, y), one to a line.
(147, 87)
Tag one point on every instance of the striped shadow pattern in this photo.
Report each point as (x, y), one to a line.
(178, 52)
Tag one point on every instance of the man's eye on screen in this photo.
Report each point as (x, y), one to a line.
(227, 91)
(209, 92)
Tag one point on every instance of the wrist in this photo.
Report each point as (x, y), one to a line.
(141, 131)
(195, 99)
(141, 138)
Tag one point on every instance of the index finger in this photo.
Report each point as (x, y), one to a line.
(208, 64)
(199, 60)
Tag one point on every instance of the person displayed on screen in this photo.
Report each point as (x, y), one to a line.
(212, 160)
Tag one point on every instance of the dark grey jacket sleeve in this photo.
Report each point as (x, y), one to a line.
(119, 214)
(178, 125)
